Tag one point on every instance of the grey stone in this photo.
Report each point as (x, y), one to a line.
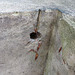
(15, 42)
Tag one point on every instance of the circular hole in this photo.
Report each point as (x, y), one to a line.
(34, 35)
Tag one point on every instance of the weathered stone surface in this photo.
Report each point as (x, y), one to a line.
(15, 29)
(63, 62)
(67, 34)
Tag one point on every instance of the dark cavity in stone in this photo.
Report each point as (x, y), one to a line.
(34, 35)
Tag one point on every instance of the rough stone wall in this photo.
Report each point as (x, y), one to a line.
(67, 34)
(15, 29)
(61, 62)
(15, 42)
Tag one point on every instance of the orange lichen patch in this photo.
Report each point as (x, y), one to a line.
(36, 56)
(60, 49)
(39, 45)
(35, 29)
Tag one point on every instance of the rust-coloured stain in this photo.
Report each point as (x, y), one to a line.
(35, 35)
(60, 49)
